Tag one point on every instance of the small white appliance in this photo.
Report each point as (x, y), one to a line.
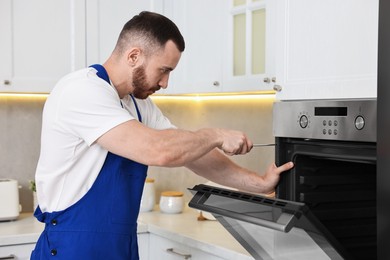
(9, 199)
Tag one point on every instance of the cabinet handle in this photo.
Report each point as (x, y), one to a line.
(216, 83)
(8, 257)
(172, 251)
(277, 88)
(266, 80)
(6, 82)
(273, 79)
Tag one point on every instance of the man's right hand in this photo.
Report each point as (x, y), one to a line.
(234, 142)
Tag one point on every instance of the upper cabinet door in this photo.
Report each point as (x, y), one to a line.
(5, 44)
(229, 46)
(105, 19)
(200, 21)
(43, 41)
(249, 58)
(326, 49)
(202, 24)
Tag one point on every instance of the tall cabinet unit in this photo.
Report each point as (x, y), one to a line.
(42, 40)
(326, 49)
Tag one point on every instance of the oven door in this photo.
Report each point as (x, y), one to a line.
(268, 228)
(337, 181)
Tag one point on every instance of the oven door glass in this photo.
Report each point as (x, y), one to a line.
(268, 228)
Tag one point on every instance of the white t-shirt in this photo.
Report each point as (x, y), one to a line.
(80, 109)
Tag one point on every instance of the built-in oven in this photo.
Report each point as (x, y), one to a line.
(325, 207)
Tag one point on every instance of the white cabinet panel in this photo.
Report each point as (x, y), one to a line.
(326, 49)
(20, 252)
(200, 67)
(47, 41)
(207, 63)
(143, 246)
(202, 24)
(5, 43)
(105, 20)
(258, 47)
(163, 248)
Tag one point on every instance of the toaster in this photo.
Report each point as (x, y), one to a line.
(9, 199)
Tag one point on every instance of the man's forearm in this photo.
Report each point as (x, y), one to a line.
(218, 168)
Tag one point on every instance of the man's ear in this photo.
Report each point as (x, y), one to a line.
(134, 56)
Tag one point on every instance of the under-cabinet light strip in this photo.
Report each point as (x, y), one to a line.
(214, 97)
(27, 95)
(197, 97)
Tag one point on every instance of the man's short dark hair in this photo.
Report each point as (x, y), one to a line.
(150, 31)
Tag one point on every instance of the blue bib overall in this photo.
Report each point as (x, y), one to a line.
(103, 223)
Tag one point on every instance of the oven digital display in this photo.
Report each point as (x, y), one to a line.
(330, 111)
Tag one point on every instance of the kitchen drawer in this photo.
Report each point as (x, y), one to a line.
(20, 252)
(166, 249)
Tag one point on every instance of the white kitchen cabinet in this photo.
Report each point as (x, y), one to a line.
(249, 56)
(208, 64)
(202, 24)
(20, 252)
(326, 49)
(105, 19)
(163, 248)
(5, 43)
(200, 68)
(143, 245)
(42, 40)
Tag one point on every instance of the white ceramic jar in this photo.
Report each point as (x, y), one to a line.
(171, 202)
(148, 199)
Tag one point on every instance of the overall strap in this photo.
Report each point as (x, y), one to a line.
(136, 108)
(102, 73)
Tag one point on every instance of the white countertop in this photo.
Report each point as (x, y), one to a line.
(24, 230)
(209, 236)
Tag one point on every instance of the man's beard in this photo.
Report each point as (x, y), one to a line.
(140, 83)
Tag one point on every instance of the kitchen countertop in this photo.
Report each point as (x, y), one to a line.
(209, 236)
(24, 230)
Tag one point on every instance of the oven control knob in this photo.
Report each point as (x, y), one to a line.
(359, 122)
(303, 121)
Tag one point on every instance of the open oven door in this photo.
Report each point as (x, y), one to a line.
(268, 228)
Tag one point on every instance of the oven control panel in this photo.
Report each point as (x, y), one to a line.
(349, 120)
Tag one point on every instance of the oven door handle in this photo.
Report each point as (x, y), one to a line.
(284, 223)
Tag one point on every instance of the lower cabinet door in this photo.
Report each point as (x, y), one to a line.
(165, 249)
(143, 246)
(20, 252)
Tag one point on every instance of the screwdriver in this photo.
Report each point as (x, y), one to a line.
(262, 145)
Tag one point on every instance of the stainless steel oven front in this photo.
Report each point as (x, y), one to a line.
(333, 146)
(325, 207)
